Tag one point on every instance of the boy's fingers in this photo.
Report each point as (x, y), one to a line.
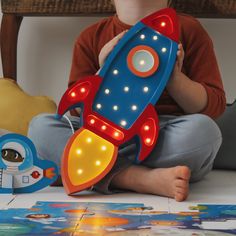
(180, 46)
(180, 54)
(110, 49)
(107, 49)
(118, 37)
(181, 49)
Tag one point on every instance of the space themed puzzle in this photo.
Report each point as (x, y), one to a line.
(76, 218)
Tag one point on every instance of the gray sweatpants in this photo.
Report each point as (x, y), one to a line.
(190, 140)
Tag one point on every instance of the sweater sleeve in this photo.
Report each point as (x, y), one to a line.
(201, 66)
(84, 61)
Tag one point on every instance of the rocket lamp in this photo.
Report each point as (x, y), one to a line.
(118, 103)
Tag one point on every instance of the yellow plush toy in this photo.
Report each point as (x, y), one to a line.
(18, 108)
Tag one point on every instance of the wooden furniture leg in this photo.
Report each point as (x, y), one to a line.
(8, 43)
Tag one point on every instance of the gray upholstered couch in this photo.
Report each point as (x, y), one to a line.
(226, 158)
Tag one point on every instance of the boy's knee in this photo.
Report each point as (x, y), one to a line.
(208, 140)
(208, 136)
(201, 143)
(44, 131)
(204, 131)
(208, 123)
(40, 121)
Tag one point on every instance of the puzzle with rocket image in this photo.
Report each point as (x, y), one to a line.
(74, 218)
(118, 103)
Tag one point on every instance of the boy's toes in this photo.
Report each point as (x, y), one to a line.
(181, 189)
(183, 172)
(181, 194)
(181, 183)
(179, 197)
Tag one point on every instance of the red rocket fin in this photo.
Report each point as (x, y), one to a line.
(78, 93)
(148, 132)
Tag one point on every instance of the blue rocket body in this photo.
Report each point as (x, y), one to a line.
(127, 90)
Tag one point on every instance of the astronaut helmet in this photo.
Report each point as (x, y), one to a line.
(15, 155)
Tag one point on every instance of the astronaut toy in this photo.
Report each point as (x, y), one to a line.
(20, 169)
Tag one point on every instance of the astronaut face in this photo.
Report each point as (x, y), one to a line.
(12, 154)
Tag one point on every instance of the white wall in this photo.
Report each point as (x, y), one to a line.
(223, 33)
(46, 44)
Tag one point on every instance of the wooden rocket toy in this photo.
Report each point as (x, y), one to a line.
(118, 103)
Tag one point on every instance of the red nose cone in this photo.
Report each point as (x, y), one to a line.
(164, 22)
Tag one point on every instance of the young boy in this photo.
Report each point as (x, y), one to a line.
(189, 139)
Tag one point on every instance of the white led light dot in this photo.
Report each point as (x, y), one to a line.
(145, 89)
(99, 106)
(155, 38)
(98, 163)
(115, 72)
(107, 91)
(142, 62)
(148, 140)
(123, 123)
(115, 108)
(163, 24)
(164, 50)
(134, 108)
(79, 151)
(92, 121)
(126, 89)
(82, 90)
(104, 127)
(89, 140)
(142, 36)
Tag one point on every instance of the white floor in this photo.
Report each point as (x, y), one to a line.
(219, 187)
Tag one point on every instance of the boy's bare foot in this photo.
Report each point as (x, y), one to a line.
(168, 182)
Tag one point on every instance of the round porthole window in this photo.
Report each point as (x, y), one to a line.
(143, 61)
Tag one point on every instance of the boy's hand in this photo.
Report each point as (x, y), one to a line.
(190, 95)
(179, 63)
(106, 50)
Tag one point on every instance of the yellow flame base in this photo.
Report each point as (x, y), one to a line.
(89, 159)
